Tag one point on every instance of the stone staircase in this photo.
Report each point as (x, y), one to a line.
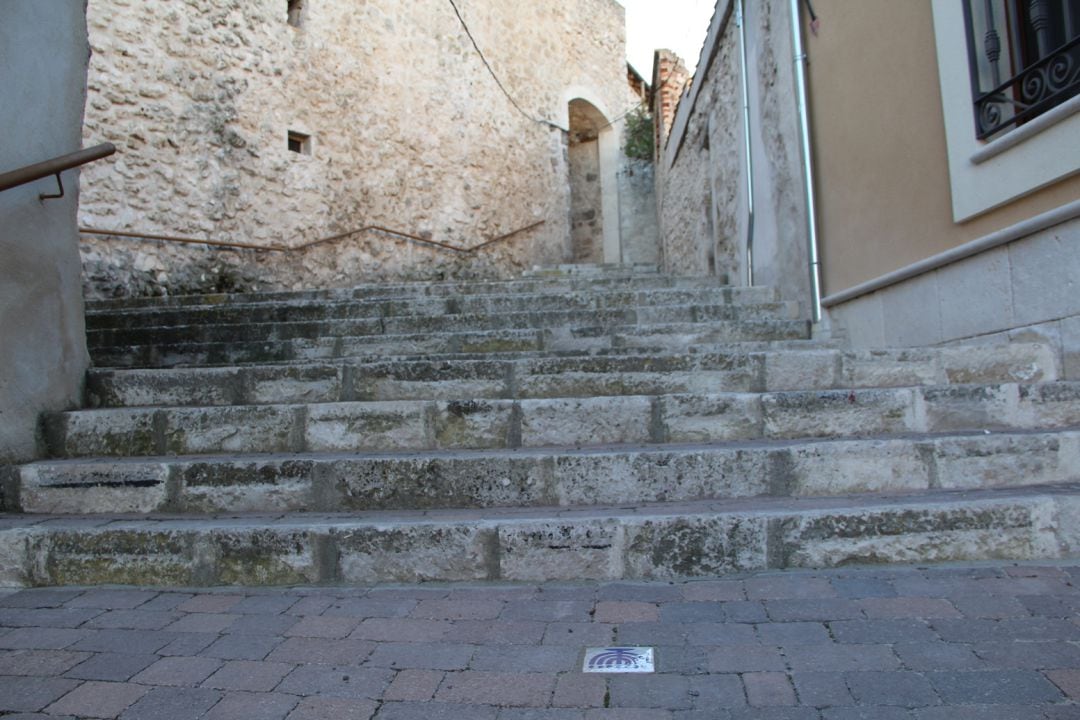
(577, 423)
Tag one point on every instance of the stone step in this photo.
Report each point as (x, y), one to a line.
(355, 482)
(429, 306)
(416, 425)
(665, 540)
(449, 377)
(598, 320)
(424, 289)
(661, 338)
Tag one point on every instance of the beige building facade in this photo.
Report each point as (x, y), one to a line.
(926, 234)
(282, 122)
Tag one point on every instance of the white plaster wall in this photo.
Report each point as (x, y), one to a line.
(1027, 289)
(409, 131)
(43, 53)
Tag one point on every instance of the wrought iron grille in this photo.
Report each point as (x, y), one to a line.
(1024, 57)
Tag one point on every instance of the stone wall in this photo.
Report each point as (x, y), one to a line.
(43, 51)
(407, 130)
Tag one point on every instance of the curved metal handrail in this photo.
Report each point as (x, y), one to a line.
(55, 166)
(321, 241)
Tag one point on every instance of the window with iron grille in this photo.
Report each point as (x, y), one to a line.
(1024, 58)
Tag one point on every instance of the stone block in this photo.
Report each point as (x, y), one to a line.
(94, 487)
(379, 426)
(999, 460)
(1045, 268)
(267, 428)
(473, 423)
(585, 421)
(837, 412)
(554, 550)
(693, 546)
(710, 418)
(415, 553)
(912, 312)
(976, 295)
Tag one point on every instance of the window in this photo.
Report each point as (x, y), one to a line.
(296, 9)
(1024, 58)
(299, 143)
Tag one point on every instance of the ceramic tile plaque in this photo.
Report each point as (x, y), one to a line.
(618, 660)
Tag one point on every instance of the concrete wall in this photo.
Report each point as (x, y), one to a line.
(43, 50)
(701, 180)
(408, 130)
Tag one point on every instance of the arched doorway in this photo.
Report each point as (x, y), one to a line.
(586, 184)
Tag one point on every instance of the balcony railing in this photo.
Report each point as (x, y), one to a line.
(1024, 57)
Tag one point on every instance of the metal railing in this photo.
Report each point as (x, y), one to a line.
(409, 237)
(55, 166)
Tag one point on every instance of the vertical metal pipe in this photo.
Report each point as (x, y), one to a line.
(808, 166)
(740, 22)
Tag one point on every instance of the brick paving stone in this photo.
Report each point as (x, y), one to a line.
(337, 681)
(251, 624)
(627, 714)
(39, 598)
(125, 641)
(39, 662)
(423, 656)
(134, 619)
(114, 667)
(540, 714)
(46, 617)
(862, 587)
(548, 611)
(315, 605)
(188, 644)
(41, 638)
(497, 688)
(407, 629)
(203, 623)
(1068, 680)
(616, 611)
(667, 692)
(209, 603)
(994, 687)
(579, 690)
(1007, 629)
(907, 607)
(993, 712)
(640, 592)
(525, 658)
(714, 591)
(748, 611)
(243, 647)
(841, 657)
(901, 688)
(793, 633)
(746, 658)
(264, 604)
(408, 592)
(98, 699)
(714, 714)
(682, 659)
(649, 633)
(882, 631)
(248, 675)
(112, 599)
(323, 627)
(708, 692)
(814, 610)
(1048, 605)
(821, 689)
(937, 656)
(320, 708)
(178, 671)
(866, 713)
(989, 606)
(788, 587)
(492, 592)
(321, 651)
(167, 703)
(567, 591)
(479, 632)
(165, 601)
(31, 694)
(1029, 655)
(720, 634)
(692, 612)
(252, 706)
(365, 608)
(436, 711)
(582, 634)
(774, 713)
(768, 688)
(413, 686)
(458, 609)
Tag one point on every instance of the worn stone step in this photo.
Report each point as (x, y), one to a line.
(408, 425)
(331, 482)
(428, 306)
(425, 289)
(659, 338)
(450, 377)
(665, 540)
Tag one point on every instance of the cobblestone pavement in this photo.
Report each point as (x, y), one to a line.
(955, 642)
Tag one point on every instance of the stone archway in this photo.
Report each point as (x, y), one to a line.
(586, 182)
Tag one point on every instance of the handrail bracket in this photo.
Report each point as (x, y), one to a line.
(60, 183)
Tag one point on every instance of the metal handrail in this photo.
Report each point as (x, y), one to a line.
(55, 166)
(332, 238)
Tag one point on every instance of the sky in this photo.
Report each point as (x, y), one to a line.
(678, 25)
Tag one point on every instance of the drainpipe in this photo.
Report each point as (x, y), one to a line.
(740, 21)
(808, 168)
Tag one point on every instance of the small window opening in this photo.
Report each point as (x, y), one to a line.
(296, 8)
(299, 143)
